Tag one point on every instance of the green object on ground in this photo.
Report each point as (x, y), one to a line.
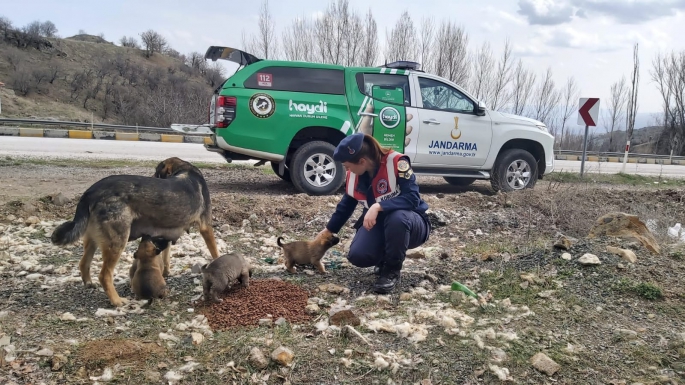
(456, 286)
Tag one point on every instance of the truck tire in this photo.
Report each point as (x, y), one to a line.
(459, 181)
(286, 172)
(313, 171)
(514, 170)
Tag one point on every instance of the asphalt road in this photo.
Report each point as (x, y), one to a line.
(85, 149)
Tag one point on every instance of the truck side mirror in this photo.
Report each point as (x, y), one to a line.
(480, 110)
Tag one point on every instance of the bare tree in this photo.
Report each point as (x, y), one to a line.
(522, 87)
(546, 98)
(569, 97)
(451, 53)
(334, 34)
(266, 43)
(5, 26)
(401, 42)
(499, 96)
(632, 103)
(48, 29)
(669, 75)
(482, 69)
(426, 39)
(153, 42)
(130, 42)
(296, 41)
(369, 53)
(615, 109)
(196, 61)
(32, 29)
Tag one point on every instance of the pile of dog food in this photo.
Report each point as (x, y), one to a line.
(266, 298)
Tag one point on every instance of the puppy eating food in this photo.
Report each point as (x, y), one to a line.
(147, 281)
(220, 274)
(307, 252)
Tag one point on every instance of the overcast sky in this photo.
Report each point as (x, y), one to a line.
(588, 39)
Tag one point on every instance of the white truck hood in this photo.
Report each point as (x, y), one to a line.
(504, 117)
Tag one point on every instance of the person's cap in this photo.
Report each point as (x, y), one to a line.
(348, 147)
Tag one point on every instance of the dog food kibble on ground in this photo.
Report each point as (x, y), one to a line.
(245, 307)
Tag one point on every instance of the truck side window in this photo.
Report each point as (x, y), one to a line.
(440, 96)
(295, 79)
(365, 82)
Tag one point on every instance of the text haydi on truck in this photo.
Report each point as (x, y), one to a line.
(293, 114)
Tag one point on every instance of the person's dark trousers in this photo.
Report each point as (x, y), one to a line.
(386, 244)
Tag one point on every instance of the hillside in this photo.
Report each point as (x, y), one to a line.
(82, 76)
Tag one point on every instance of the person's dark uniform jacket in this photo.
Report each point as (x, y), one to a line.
(393, 187)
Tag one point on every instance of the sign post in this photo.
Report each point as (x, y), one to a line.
(1, 85)
(588, 112)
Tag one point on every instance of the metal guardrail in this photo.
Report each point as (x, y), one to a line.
(15, 121)
(203, 134)
(618, 155)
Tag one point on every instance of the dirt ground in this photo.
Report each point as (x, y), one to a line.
(615, 322)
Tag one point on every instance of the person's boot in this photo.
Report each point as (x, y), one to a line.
(388, 279)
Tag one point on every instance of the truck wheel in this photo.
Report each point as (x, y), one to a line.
(286, 172)
(313, 171)
(515, 169)
(459, 181)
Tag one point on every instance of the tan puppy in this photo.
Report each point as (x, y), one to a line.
(147, 281)
(220, 274)
(307, 252)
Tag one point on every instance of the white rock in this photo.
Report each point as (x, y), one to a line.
(34, 277)
(44, 352)
(566, 256)
(67, 317)
(589, 259)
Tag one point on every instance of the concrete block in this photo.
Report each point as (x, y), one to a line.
(32, 132)
(149, 137)
(103, 135)
(172, 138)
(127, 136)
(9, 131)
(55, 133)
(193, 139)
(80, 134)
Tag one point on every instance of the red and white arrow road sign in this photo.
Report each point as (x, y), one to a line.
(588, 111)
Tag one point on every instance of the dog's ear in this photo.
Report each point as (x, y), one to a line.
(164, 169)
(160, 244)
(204, 267)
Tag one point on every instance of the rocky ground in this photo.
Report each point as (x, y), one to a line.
(602, 310)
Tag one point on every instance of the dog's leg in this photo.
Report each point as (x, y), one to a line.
(110, 256)
(166, 260)
(207, 233)
(245, 278)
(290, 266)
(89, 249)
(319, 266)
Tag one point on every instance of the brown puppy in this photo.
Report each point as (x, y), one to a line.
(147, 281)
(220, 274)
(307, 252)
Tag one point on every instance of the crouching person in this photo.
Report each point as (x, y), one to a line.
(394, 217)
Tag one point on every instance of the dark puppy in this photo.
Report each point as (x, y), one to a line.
(147, 281)
(220, 274)
(307, 252)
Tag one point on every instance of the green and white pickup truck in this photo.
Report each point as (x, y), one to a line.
(293, 114)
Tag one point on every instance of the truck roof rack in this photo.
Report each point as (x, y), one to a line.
(403, 65)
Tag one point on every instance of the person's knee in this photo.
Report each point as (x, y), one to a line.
(361, 256)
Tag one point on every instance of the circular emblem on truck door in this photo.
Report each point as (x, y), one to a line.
(262, 105)
(390, 117)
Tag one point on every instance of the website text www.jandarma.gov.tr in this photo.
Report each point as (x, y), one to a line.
(453, 153)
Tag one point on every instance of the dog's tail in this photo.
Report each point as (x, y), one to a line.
(279, 241)
(71, 231)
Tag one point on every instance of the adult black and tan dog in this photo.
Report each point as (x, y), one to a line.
(121, 208)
